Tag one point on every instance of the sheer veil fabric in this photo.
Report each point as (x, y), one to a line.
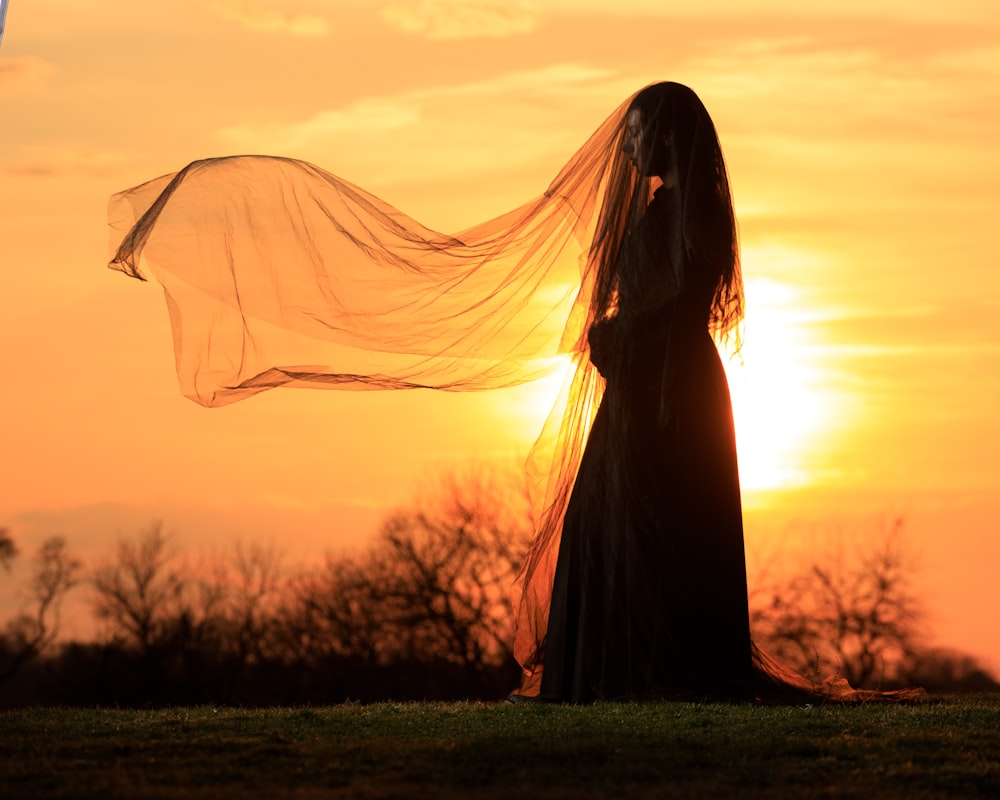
(278, 273)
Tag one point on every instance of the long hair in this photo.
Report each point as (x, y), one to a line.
(678, 138)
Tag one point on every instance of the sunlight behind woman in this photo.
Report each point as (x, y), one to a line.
(784, 401)
(780, 403)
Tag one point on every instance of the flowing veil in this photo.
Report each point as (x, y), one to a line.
(278, 273)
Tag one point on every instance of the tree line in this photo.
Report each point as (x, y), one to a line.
(425, 612)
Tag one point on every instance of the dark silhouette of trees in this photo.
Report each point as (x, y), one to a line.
(449, 569)
(140, 594)
(427, 610)
(850, 611)
(946, 670)
(33, 631)
(252, 582)
(8, 550)
(186, 632)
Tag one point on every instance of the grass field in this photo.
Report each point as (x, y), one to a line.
(939, 748)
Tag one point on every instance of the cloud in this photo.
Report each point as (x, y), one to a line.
(501, 129)
(57, 161)
(256, 17)
(462, 19)
(387, 113)
(956, 10)
(370, 115)
(447, 115)
(23, 73)
(553, 79)
(983, 61)
(879, 127)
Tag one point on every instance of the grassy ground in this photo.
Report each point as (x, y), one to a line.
(940, 748)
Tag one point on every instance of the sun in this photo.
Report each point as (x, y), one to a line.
(530, 404)
(783, 401)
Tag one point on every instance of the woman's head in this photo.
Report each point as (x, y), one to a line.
(660, 128)
(667, 136)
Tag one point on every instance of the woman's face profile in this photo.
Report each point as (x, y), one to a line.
(650, 154)
(632, 143)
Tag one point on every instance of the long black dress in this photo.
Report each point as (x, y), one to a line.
(650, 594)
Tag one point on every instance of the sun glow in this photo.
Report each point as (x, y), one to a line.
(780, 403)
(783, 401)
(531, 403)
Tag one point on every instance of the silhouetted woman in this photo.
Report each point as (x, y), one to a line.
(650, 596)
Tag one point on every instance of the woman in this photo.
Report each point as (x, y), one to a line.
(277, 273)
(649, 595)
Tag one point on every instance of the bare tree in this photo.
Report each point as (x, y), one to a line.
(337, 613)
(147, 596)
(189, 628)
(947, 670)
(854, 612)
(450, 564)
(250, 585)
(31, 633)
(436, 585)
(8, 550)
(138, 591)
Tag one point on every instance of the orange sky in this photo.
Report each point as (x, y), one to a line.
(861, 139)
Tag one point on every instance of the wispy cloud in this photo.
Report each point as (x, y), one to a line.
(23, 73)
(60, 160)
(256, 16)
(368, 115)
(462, 19)
(851, 129)
(984, 60)
(381, 134)
(928, 328)
(879, 10)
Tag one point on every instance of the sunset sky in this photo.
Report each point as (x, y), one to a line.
(862, 142)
